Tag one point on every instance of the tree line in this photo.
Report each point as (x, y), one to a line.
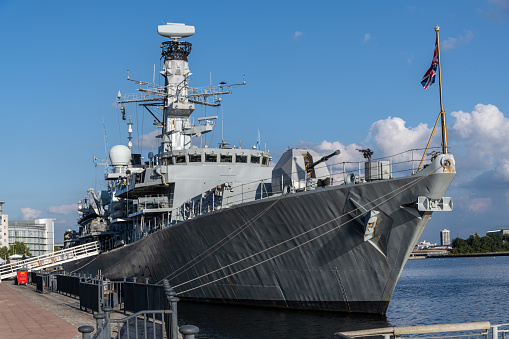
(478, 244)
(16, 248)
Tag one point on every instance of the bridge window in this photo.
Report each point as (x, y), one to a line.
(210, 157)
(226, 158)
(241, 159)
(180, 159)
(265, 161)
(194, 157)
(255, 159)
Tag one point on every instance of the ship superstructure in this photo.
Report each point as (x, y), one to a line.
(226, 227)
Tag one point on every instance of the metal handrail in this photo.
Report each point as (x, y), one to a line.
(49, 260)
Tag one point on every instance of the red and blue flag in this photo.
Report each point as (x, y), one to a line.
(429, 77)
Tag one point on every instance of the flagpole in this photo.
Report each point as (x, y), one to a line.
(445, 149)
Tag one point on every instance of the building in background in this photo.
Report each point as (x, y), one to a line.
(4, 223)
(498, 232)
(445, 237)
(37, 234)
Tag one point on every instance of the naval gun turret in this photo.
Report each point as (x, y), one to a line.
(299, 169)
(309, 167)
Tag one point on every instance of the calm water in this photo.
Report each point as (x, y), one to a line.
(429, 291)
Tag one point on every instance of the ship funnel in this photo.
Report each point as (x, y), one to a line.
(175, 31)
(120, 156)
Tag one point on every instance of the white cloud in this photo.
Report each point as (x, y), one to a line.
(367, 37)
(61, 221)
(63, 209)
(485, 134)
(28, 213)
(148, 141)
(391, 136)
(348, 152)
(297, 35)
(452, 43)
(479, 205)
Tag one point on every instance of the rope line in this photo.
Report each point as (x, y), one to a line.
(226, 239)
(400, 189)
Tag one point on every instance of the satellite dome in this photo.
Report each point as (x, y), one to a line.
(120, 155)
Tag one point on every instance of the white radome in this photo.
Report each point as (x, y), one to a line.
(120, 155)
(175, 31)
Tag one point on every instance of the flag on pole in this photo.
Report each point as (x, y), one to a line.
(429, 77)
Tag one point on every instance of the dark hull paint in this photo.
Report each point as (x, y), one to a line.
(338, 271)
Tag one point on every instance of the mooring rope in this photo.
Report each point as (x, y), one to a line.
(226, 239)
(400, 189)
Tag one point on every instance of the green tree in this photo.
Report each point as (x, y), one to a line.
(475, 243)
(56, 249)
(4, 252)
(19, 248)
(460, 246)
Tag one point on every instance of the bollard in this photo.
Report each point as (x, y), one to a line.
(99, 317)
(134, 280)
(494, 332)
(189, 331)
(146, 280)
(107, 324)
(85, 331)
(174, 326)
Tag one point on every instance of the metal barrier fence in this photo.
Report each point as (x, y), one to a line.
(68, 284)
(45, 283)
(155, 323)
(91, 292)
(153, 307)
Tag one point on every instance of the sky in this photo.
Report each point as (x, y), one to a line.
(324, 74)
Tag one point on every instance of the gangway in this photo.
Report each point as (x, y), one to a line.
(49, 260)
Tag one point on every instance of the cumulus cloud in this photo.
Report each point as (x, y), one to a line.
(484, 132)
(392, 136)
(349, 153)
(478, 205)
(498, 12)
(297, 35)
(451, 43)
(367, 37)
(148, 141)
(28, 213)
(63, 209)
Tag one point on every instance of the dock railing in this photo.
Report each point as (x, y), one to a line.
(461, 331)
(49, 260)
(149, 310)
(158, 319)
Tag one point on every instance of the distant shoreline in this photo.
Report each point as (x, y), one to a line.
(489, 254)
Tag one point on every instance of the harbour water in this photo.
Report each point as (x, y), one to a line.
(429, 291)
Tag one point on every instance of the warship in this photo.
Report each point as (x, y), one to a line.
(223, 225)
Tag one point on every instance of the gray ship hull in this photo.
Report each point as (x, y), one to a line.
(332, 267)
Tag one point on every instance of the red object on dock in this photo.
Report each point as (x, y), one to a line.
(22, 277)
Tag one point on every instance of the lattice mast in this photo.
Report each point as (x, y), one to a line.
(176, 98)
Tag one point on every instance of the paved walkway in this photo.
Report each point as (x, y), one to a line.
(26, 313)
(22, 318)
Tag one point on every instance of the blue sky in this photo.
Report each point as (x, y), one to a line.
(325, 74)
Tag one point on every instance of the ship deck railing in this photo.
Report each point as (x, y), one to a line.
(234, 193)
(471, 330)
(399, 165)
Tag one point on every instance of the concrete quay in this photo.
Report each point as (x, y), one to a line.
(25, 313)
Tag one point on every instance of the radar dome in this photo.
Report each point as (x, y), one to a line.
(120, 155)
(175, 31)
